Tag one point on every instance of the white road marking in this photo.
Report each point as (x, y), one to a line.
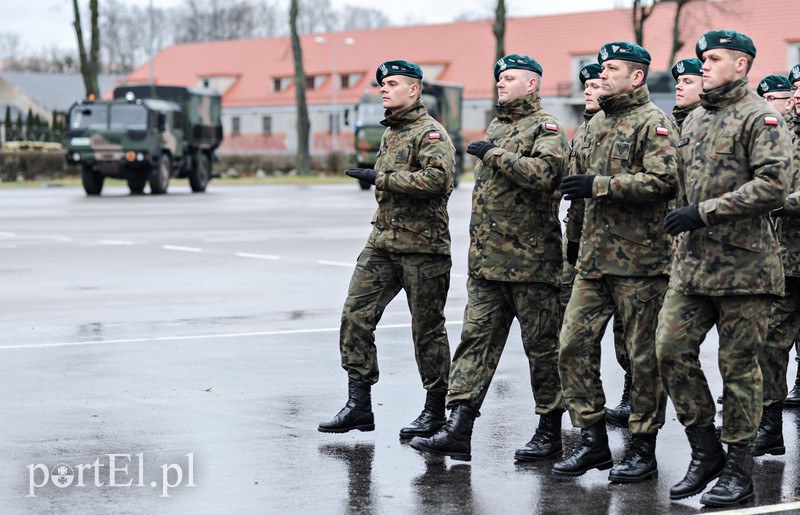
(8, 246)
(181, 249)
(194, 337)
(8, 234)
(107, 242)
(256, 256)
(336, 263)
(774, 508)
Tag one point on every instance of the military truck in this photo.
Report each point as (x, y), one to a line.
(444, 104)
(145, 134)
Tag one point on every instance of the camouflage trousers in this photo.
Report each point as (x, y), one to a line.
(491, 309)
(636, 302)
(378, 278)
(741, 322)
(567, 278)
(784, 325)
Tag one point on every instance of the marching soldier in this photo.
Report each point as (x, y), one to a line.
(793, 399)
(592, 90)
(627, 179)
(736, 159)
(688, 85)
(784, 323)
(408, 249)
(514, 263)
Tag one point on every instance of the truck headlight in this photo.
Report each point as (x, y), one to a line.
(76, 156)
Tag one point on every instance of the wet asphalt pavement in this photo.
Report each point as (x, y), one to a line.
(175, 354)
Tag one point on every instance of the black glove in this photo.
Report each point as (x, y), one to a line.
(683, 219)
(479, 148)
(576, 186)
(364, 174)
(572, 252)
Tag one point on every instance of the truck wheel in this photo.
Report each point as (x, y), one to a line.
(92, 180)
(159, 176)
(201, 172)
(136, 184)
(364, 184)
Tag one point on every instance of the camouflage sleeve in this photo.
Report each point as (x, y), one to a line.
(770, 151)
(543, 168)
(658, 178)
(791, 206)
(436, 158)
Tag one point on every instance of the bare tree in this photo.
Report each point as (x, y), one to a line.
(642, 9)
(355, 18)
(90, 63)
(303, 123)
(316, 16)
(499, 30)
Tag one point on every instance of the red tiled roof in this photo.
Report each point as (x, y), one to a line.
(466, 49)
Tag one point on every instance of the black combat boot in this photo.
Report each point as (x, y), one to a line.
(735, 485)
(593, 452)
(639, 463)
(619, 416)
(708, 460)
(793, 399)
(546, 441)
(431, 420)
(356, 414)
(454, 438)
(770, 432)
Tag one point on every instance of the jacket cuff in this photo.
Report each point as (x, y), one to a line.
(601, 186)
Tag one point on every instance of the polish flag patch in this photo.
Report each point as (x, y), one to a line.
(434, 135)
(662, 131)
(551, 126)
(770, 120)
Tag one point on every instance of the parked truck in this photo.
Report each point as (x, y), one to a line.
(444, 104)
(146, 134)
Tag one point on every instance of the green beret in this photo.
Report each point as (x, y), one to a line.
(773, 83)
(398, 67)
(687, 67)
(794, 74)
(589, 72)
(624, 51)
(521, 62)
(729, 39)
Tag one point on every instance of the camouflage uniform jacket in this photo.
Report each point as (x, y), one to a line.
(736, 157)
(681, 114)
(578, 207)
(631, 148)
(789, 223)
(415, 165)
(514, 230)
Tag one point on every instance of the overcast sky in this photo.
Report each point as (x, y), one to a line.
(43, 24)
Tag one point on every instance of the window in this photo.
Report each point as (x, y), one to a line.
(281, 84)
(310, 81)
(333, 120)
(793, 57)
(266, 125)
(344, 81)
(205, 83)
(235, 125)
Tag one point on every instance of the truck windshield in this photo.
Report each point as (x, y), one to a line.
(131, 117)
(370, 114)
(89, 117)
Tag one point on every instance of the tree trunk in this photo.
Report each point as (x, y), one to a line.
(677, 42)
(641, 11)
(303, 124)
(90, 64)
(499, 30)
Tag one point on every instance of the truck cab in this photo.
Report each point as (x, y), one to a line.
(145, 134)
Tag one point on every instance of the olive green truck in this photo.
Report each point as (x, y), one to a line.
(146, 134)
